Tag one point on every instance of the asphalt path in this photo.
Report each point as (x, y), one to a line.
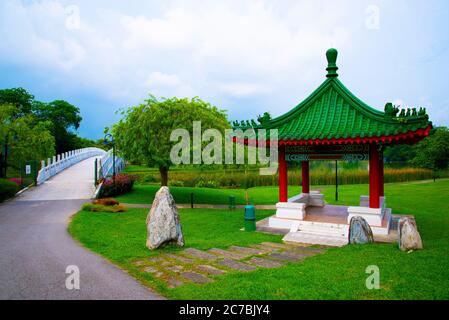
(38, 257)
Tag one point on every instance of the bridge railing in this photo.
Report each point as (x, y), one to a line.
(60, 162)
(107, 163)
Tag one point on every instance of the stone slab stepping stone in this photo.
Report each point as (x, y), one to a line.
(287, 256)
(265, 263)
(139, 263)
(180, 258)
(150, 269)
(196, 277)
(195, 253)
(174, 282)
(228, 254)
(277, 245)
(175, 268)
(159, 261)
(236, 265)
(266, 248)
(209, 269)
(249, 251)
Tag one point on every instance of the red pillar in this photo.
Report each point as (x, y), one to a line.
(381, 173)
(305, 176)
(373, 176)
(283, 194)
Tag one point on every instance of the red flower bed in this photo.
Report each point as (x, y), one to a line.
(123, 184)
(17, 181)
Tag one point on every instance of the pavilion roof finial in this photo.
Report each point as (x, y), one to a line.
(332, 68)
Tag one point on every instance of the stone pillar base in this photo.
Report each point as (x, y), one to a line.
(290, 210)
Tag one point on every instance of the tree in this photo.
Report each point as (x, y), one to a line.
(27, 138)
(143, 134)
(433, 151)
(19, 98)
(399, 153)
(64, 118)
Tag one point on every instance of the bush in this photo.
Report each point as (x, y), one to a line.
(7, 189)
(320, 174)
(207, 184)
(102, 208)
(176, 183)
(106, 202)
(123, 184)
(149, 178)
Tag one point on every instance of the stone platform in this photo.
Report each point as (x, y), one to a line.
(306, 218)
(332, 214)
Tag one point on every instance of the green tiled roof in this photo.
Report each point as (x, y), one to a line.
(333, 112)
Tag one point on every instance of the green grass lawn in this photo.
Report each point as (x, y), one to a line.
(337, 274)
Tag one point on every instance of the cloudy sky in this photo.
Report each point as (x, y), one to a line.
(243, 56)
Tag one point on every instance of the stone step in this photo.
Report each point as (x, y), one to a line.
(315, 238)
(228, 254)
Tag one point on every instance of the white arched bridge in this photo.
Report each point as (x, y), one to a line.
(35, 247)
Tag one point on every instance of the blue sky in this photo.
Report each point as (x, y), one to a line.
(243, 56)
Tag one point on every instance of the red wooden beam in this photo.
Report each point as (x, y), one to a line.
(305, 176)
(373, 176)
(381, 174)
(283, 193)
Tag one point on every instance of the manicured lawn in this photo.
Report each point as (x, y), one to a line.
(347, 194)
(337, 274)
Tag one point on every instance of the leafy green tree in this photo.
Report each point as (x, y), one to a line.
(19, 98)
(143, 134)
(433, 151)
(64, 117)
(399, 153)
(27, 138)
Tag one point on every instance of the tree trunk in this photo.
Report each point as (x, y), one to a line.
(164, 176)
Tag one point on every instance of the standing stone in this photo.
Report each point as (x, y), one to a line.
(163, 224)
(359, 231)
(409, 238)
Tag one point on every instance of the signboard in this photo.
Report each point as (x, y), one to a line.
(28, 169)
(320, 156)
(349, 152)
(330, 149)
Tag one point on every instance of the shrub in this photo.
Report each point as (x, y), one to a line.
(7, 189)
(176, 183)
(149, 178)
(207, 184)
(106, 202)
(102, 208)
(320, 174)
(123, 184)
(18, 181)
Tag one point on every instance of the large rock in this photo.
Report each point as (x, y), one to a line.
(409, 238)
(163, 225)
(359, 231)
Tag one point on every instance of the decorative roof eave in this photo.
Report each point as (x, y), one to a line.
(408, 137)
(307, 121)
(401, 138)
(358, 104)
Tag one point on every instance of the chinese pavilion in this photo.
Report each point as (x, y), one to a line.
(334, 124)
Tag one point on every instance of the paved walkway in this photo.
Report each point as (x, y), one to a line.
(35, 247)
(198, 266)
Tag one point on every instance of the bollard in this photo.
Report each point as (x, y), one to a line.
(250, 218)
(232, 202)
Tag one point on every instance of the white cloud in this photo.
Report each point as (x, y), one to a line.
(261, 53)
(157, 78)
(241, 89)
